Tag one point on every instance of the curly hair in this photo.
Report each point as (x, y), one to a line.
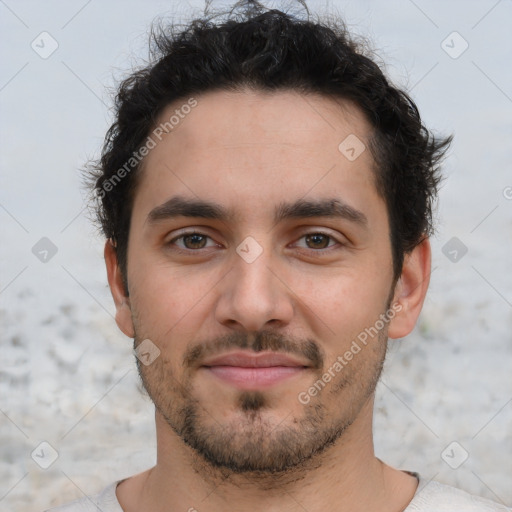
(270, 50)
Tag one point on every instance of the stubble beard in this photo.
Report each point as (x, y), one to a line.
(252, 444)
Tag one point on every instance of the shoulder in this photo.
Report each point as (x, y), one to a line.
(106, 501)
(437, 497)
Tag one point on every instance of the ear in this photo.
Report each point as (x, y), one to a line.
(115, 281)
(410, 290)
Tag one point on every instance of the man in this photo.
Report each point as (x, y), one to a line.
(266, 195)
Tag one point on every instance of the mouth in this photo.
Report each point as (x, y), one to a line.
(247, 370)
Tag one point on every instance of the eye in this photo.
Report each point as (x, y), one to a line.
(318, 241)
(192, 241)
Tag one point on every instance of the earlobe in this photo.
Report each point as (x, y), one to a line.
(115, 281)
(411, 290)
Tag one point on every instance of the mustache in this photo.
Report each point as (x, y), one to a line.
(257, 342)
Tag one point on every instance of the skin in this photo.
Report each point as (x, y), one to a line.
(249, 151)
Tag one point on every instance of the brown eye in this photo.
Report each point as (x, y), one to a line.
(319, 244)
(190, 242)
(318, 240)
(195, 241)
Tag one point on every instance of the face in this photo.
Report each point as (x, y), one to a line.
(258, 254)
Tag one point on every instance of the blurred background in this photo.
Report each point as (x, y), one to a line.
(67, 375)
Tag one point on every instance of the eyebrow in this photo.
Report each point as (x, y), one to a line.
(179, 206)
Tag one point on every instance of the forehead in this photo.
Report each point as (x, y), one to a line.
(251, 148)
(249, 117)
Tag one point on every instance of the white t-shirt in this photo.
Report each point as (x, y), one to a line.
(430, 496)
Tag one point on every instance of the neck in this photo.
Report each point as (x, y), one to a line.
(345, 477)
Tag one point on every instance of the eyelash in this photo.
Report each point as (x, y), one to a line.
(316, 252)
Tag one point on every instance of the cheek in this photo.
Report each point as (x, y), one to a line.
(158, 304)
(170, 303)
(344, 296)
(346, 308)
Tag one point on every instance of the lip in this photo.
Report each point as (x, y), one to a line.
(254, 360)
(246, 370)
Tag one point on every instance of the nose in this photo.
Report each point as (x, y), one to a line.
(254, 295)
